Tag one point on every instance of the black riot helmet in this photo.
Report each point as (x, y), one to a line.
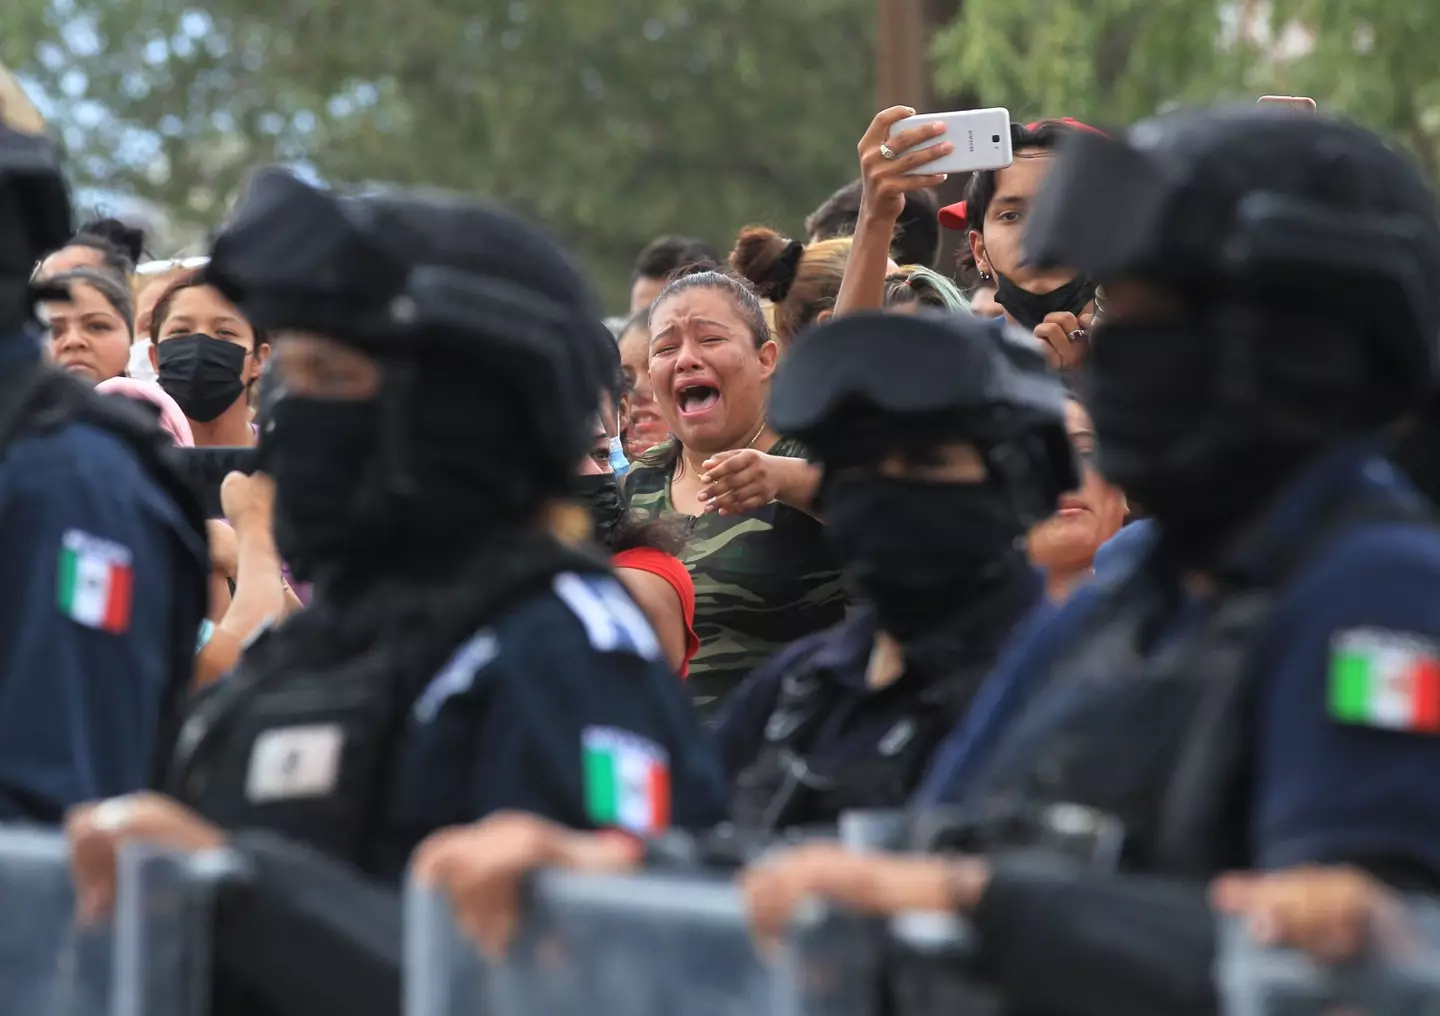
(865, 384)
(34, 202)
(1294, 260)
(486, 338)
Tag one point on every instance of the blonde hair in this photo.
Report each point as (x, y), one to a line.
(800, 282)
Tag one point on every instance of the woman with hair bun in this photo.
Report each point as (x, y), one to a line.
(800, 282)
(101, 244)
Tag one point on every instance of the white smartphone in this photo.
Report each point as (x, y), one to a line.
(1294, 103)
(981, 138)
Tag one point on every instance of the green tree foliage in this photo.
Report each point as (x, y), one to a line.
(1371, 59)
(1115, 61)
(610, 120)
(1110, 61)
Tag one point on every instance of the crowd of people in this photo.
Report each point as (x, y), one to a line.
(1126, 515)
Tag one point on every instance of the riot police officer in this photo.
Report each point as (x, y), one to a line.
(1260, 688)
(942, 440)
(102, 547)
(439, 377)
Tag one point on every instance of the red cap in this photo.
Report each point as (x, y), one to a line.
(953, 216)
(1067, 121)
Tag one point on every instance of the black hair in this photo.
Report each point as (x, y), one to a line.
(112, 287)
(612, 372)
(980, 188)
(130, 239)
(666, 255)
(120, 245)
(837, 214)
(740, 292)
(633, 530)
(194, 280)
(917, 231)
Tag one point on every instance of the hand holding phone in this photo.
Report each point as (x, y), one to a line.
(1296, 103)
(979, 139)
(894, 163)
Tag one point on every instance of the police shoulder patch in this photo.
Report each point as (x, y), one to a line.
(1383, 678)
(94, 583)
(627, 780)
(613, 623)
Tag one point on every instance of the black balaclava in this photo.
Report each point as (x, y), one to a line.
(1203, 420)
(414, 475)
(917, 551)
(201, 373)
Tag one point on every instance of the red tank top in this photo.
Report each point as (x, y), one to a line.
(669, 568)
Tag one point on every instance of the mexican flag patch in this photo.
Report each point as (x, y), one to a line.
(95, 582)
(627, 781)
(1386, 679)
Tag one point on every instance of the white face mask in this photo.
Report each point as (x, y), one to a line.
(139, 367)
(619, 464)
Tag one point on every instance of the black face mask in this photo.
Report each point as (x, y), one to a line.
(1029, 309)
(1165, 438)
(322, 454)
(918, 551)
(202, 374)
(600, 492)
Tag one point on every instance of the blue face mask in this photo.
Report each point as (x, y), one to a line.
(619, 464)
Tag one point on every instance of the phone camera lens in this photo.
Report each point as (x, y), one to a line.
(994, 139)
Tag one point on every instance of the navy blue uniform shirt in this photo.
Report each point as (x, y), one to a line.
(565, 708)
(1124, 548)
(87, 546)
(942, 672)
(1344, 761)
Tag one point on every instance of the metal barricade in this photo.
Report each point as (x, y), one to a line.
(648, 945)
(151, 959)
(1399, 976)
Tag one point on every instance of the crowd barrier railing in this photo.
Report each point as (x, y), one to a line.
(645, 945)
(150, 958)
(1398, 976)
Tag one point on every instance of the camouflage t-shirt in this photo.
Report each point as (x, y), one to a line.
(762, 580)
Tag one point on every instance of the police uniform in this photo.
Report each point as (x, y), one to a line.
(1256, 684)
(455, 659)
(938, 566)
(103, 546)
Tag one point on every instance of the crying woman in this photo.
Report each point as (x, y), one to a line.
(740, 495)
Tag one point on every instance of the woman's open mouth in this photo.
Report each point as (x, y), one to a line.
(694, 400)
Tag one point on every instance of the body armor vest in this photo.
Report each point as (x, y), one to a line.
(1153, 743)
(353, 670)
